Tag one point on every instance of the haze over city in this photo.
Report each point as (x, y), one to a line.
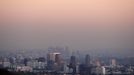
(94, 25)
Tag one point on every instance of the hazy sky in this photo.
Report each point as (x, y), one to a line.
(79, 24)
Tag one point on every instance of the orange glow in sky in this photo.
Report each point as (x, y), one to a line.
(76, 23)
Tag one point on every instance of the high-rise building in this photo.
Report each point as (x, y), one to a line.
(73, 61)
(49, 56)
(53, 60)
(87, 60)
(53, 56)
(73, 64)
(113, 62)
(85, 69)
(58, 58)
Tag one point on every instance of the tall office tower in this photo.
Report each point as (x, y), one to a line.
(85, 69)
(87, 60)
(58, 58)
(73, 61)
(53, 60)
(53, 56)
(50, 62)
(73, 64)
(49, 56)
(113, 62)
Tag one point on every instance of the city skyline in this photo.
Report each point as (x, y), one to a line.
(56, 63)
